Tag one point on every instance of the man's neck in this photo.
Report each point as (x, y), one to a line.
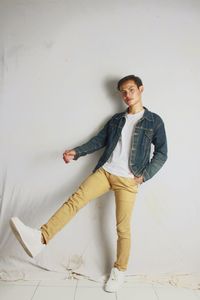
(135, 109)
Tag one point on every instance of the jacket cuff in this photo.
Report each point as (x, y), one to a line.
(145, 176)
(78, 154)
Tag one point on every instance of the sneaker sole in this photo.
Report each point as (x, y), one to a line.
(19, 238)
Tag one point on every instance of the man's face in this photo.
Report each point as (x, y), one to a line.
(130, 93)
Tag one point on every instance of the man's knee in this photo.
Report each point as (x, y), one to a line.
(123, 232)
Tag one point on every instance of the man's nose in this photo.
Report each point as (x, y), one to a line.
(127, 95)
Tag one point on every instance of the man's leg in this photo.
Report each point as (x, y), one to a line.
(125, 190)
(125, 195)
(92, 187)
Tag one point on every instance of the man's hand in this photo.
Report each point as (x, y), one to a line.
(68, 155)
(139, 180)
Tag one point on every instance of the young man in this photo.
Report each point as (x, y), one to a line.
(123, 166)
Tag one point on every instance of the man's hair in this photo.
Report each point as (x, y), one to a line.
(136, 79)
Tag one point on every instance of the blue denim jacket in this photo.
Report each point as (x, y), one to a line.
(148, 130)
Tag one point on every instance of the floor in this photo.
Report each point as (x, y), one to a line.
(83, 289)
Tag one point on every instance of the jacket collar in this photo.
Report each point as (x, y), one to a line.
(147, 114)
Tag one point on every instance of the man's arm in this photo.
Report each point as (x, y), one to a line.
(95, 143)
(160, 152)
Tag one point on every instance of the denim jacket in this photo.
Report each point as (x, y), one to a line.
(148, 130)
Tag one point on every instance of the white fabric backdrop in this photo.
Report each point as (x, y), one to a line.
(60, 61)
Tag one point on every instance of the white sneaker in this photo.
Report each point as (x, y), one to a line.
(29, 238)
(115, 280)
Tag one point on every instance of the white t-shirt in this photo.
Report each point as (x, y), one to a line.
(118, 162)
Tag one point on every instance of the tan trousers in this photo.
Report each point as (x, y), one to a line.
(93, 186)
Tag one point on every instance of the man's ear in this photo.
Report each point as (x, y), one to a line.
(141, 88)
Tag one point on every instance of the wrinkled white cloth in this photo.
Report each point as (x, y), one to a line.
(13, 269)
(42, 101)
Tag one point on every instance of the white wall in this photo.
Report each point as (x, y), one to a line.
(60, 61)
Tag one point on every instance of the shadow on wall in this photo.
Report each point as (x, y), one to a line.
(110, 85)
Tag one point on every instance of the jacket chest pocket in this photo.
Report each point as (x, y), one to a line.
(147, 138)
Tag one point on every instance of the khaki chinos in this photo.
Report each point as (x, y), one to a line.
(95, 185)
